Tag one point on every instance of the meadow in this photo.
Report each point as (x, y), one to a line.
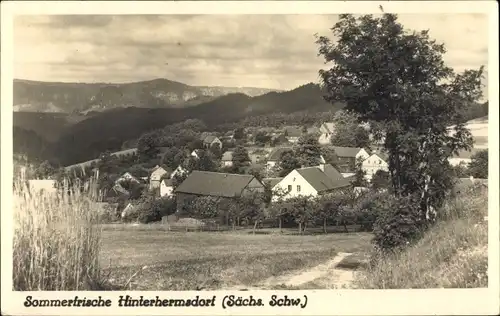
(160, 260)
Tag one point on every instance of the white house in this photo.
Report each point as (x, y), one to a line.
(377, 161)
(155, 177)
(227, 159)
(195, 153)
(127, 176)
(310, 181)
(292, 134)
(326, 129)
(45, 186)
(180, 170)
(166, 187)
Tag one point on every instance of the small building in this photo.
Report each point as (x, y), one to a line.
(377, 161)
(196, 153)
(156, 175)
(326, 131)
(166, 187)
(347, 157)
(180, 170)
(210, 140)
(292, 133)
(310, 181)
(216, 184)
(127, 176)
(227, 159)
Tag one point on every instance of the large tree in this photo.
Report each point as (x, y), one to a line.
(398, 81)
(308, 151)
(241, 160)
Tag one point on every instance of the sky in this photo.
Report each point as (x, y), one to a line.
(268, 51)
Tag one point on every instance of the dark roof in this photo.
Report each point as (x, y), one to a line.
(382, 155)
(345, 152)
(209, 139)
(275, 155)
(214, 184)
(168, 182)
(323, 181)
(271, 182)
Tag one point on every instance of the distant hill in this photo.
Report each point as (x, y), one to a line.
(60, 97)
(108, 130)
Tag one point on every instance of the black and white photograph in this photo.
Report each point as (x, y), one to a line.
(250, 152)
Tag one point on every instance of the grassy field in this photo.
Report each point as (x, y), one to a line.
(203, 260)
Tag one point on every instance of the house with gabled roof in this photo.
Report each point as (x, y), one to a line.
(310, 181)
(292, 133)
(326, 131)
(210, 140)
(166, 187)
(375, 162)
(127, 176)
(227, 159)
(216, 184)
(156, 175)
(347, 157)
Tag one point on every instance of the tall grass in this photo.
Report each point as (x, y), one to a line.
(452, 254)
(56, 244)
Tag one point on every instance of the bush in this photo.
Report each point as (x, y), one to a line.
(399, 224)
(154, 211)
(369, 206)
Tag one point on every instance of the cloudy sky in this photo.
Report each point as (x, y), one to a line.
(271, 51)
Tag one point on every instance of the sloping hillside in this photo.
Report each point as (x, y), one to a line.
(453, 254)
(38, 96)
(108, 130)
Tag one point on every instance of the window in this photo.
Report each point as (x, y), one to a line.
(289, 188)
(298, 188)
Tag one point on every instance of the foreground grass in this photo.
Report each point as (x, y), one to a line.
(201, 260)
(453, 254)
(56, 245)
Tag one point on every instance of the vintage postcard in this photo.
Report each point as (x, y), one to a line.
(250, 158)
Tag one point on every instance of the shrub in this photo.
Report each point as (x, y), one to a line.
(399, 224)
(154, 211)
(56, 246)
(369, 206)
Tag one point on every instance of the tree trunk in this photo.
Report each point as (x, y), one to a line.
(233, 222)
(305, 225)
(324, 225)
(300, 228)
(345, 227)
(279, 219)
(255, 226)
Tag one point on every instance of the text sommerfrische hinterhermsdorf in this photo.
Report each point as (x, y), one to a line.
(228, 301)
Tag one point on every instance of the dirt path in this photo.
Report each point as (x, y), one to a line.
(324, 276)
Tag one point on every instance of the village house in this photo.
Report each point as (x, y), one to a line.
(227, 159)
(210, 140)
(310, 181)
(292, 133)
(216, 184)
(127, 176)
(117, 192)
(326, 131)
(156, 175)
(166, 188)
(179, 171)
(347, 157)
(377, 161)
(196, 153)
